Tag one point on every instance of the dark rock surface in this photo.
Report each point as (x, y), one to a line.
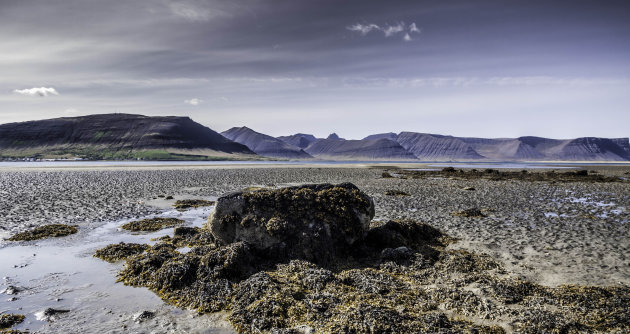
(311, 222)
(86, 135)
(265, 145)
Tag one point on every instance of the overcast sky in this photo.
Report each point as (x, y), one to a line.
(558, 69)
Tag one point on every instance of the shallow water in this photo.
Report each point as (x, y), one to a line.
(63, 274)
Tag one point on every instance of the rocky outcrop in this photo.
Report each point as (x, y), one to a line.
(265, 145)
(334, 136)
(379, 149)
(395, 277)
(117, 136)
(312, 222)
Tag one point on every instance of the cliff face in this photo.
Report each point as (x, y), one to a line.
(339, 149)
(265, 145)
(436, 147)
(115, 133)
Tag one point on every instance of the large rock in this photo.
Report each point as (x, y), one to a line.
(310, 222)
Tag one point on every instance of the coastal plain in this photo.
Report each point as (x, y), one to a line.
(548, 232)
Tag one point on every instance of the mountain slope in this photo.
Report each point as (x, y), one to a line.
(437, 147)
(389, 135)
(340, 149)
(118, 136)
(265, 145)
(301, 140)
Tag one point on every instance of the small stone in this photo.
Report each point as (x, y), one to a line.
(143, 316)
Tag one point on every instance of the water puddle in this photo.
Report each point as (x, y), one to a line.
(61, 273)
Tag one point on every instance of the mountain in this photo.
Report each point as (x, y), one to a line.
(581, 149)
(334, 136)
(379, 149)
(118, 136)
(436, 147)
(300, 140)
(389, 135)
(265, 145)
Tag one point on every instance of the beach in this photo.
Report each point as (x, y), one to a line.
(550, 233)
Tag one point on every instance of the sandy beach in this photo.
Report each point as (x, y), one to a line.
(550, 233)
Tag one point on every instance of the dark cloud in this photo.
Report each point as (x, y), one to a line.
(154, 54)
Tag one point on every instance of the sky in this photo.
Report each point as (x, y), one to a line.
(484, 68)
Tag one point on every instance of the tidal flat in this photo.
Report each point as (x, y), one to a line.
(546, 231)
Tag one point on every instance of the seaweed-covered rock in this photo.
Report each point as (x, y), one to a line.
(46, 231)
(50, 314)
(398, 233)
(10, 320)
(311, 222)
(120, 251)
(151, 224)
(191, 203)
(396, 277)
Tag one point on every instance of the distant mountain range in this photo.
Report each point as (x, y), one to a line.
(265, 145)
(432, 147)
(125, 136)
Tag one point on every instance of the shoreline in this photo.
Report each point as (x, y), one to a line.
(549, 233)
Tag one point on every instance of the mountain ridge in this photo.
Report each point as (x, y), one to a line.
(129, 136)
(118, 136)
(265, 145)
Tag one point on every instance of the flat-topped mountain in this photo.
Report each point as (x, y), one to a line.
(265, 145)
(340, 149)
(118, 136)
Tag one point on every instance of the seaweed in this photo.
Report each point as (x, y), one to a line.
(45, 231)
(191, 203)
(151, 224)
(121, 251)
(10, 320)
(399, 277)
(524, 175)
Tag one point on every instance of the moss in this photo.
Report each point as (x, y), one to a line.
(152, 224)
(121, 251)
(10, 320)
(46, 231)
(396, 193)
(191, 203)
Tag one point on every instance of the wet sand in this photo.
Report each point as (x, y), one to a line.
(550, 233)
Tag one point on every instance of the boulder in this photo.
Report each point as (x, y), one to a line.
(309, 222)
